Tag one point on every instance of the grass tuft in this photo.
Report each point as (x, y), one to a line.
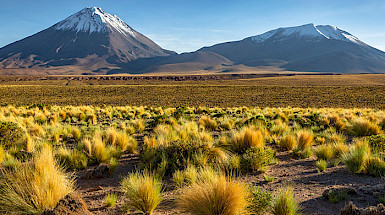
(33, 187)
(110, 200)
(143, 191)
(219, 196)
(285, 203)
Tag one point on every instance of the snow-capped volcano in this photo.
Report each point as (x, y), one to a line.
(89, 40)
(310, 30)
(321, 48)
(94, 19)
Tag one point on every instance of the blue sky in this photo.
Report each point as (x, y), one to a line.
(187, 25)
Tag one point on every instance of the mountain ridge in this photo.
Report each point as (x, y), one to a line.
(296, 48)
(92, 41)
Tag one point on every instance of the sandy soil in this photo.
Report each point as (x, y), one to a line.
(307, 182)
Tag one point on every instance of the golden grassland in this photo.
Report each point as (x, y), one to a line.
(217, 148)
(337, 91)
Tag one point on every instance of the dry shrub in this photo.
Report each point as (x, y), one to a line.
(33, 187)
(126, 142)
(363, 127)
(246, 138)
(111, 135)
(288, 142)
(305, 139)
(100, 151)
(208, 123)
(215, 196)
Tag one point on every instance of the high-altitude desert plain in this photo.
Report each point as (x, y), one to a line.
(97, 118)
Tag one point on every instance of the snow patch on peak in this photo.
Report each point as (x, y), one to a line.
(308, 30)
(94, 19)
(332, 32)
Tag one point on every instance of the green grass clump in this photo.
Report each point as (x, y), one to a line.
(110, 200)
(336, 196)
(143, 192)
(256, 159)
(324, 152)
(72, 159)
(303, 154)
(321, 165)
(268, 178)
(213, 197)
(261, 200)
(356, 157)
(178, 178)
(285, 203)
(112, 165)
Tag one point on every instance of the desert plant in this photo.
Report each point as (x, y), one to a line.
(2, 154)
(72, 159)
(10, 134)
(257, 159)
(76, 133)
(288, 142)
(143, 190)
(321, 165)
(324, 152)
(375, 166)
(377, 143)
(191, 174)
(29, 143)
(33, 187)
(285, 203)
(268, 178)
(112, 165)
(178, 178)
(100, 151)
(305, 153)
(246, 138)
(110, 200)
(208, 123)
(111, 135)
(87, 146)
(305, 139)
(362, 127)
(355, 158)
(260, 201)
(126, 142)
(339, 149)
(219, 196)
(336, 196)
